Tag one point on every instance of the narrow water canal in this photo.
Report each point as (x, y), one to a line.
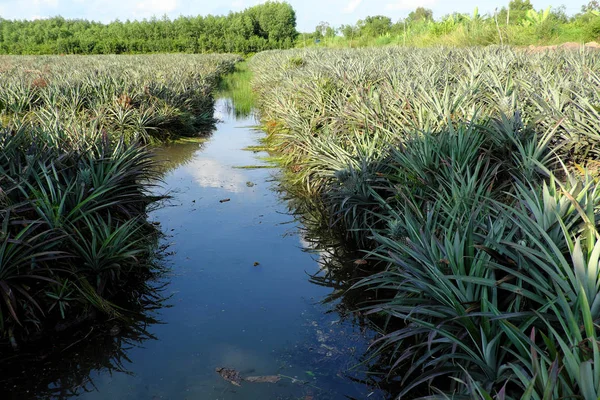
(238, 288)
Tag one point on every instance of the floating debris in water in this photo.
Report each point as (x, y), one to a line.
(230, 375)
(255, 167)
(224, 200)
(250, 184)
(322, 337)
(263, 379)
(256, 263)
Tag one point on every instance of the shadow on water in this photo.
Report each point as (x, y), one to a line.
(64, 365)
(256, 283)
(341, 267)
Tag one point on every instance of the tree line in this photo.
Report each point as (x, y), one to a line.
(519, 23)
(271, 25)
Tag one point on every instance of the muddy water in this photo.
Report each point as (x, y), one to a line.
(239, 291)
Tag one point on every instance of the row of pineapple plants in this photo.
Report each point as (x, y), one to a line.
(469, 179)
(77, 180)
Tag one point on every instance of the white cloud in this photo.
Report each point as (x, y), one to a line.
(352, 6)
(243, 4)
(47, 3)
(401, 5)
(211, 173)
(157, 6)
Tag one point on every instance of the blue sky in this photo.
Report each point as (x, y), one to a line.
(309, 12)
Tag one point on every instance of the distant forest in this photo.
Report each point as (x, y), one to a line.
(272, 25)
(267, 26)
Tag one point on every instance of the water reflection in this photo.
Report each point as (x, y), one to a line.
(236, 90)
(213, 174)
(63, 366)
(209, 172)
(341, 267)
(172, 155)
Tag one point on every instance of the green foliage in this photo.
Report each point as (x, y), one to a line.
(519, 25)
(73, 226)
(76, 180)
(593, 29)
(516, 12)
(275, 21)
(137, 98)
(535, 18)
(420, 14)
(375, 26)
(468, 182)
(349, 31)
(477, 293)
(271, 25)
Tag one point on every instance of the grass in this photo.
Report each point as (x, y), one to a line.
(256, 148)
(462, 175)
(237, 87)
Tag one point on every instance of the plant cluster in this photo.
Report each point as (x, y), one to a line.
(334, 108)
(139, 98)
(76, 180)
(469, 174)
(74, 231)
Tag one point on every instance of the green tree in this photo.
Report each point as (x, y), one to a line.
(421, 14)
(518, 10)
(349, 31)
(321, 29)
(331, 32)
(591, 6)
(266, 26)
(375, 26)
(276, 21)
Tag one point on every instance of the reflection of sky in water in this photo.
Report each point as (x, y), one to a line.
(323, 255)
(210, 173)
